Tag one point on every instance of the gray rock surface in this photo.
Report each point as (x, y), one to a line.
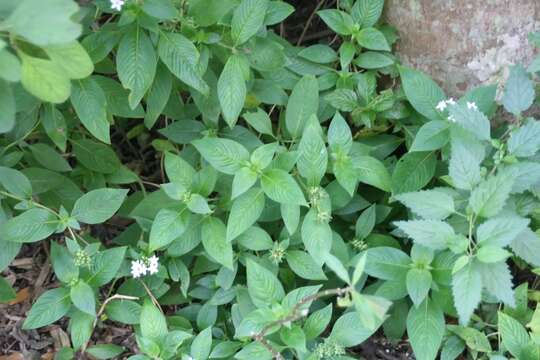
(463, 43)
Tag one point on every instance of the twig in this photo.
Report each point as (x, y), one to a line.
(308, 22)
(102, 309)
(296, 313)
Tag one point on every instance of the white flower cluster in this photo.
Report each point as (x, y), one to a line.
(145, 266)
(117, 4)
(443, 104)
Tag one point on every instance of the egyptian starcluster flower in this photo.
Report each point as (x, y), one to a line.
(443, 104)
(145, 266)
(117, 4)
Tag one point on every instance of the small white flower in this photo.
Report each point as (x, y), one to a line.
(153, 264)
(117, 4)
(138, 268)
(441, 105)
(451, 101)
(472, 105)
(305, 312)
(451, 118)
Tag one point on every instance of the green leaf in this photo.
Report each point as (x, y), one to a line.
(10, 65)
(280, 186)
(367, 12)
(226, 156)
(277, 12)
(182, 58)
(160, 9)
(500, 231)
(291, 216)
(263, 286)
(466, 290)
(316, 236)
(245, 211)
(232, 89)
(366, 222)
(497, 280)
(433, 234)
(157, 95)
(488, 199)
(525, 140)
(474, 339)
(465, 158)
(312, 155)
(373, 60)
(15, 182)
(527, 245)
(90, 104)
(339, 135)
(124, 311)
(45, 80)
(413, 171)
(136, 64)
(202, 344)
(518, 91)
(433, 135)
(372, 172)
(428, 204)
(49, 158)
(6, 291)
(319, 53)
(260, 121)
(243, 180)
(214, 239)
(96, 156)
(387, 263)
(31, 226)
(514, 335)
(423, 93)
(98, 205)
(247, 19)
(492, 254)
(82, 297)
(339, 21)
(372, 39)
(343, 99)
(349, 330)
(105, 351)
(302, 104)
(303, 265)
(168, 225)
(453, 347)
(7, 108)
(63, 263)
(106, 266)
(31, 17)
(317, 322)
(55, 126)
(471, 120)
(418, 285)
(49, 307)
(152, 322)
(425, 328)
(72, 58)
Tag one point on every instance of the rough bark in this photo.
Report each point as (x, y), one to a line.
(462, 43)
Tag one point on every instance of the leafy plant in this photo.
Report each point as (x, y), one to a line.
(228, 194)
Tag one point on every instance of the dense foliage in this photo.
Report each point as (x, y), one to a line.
(231, 195)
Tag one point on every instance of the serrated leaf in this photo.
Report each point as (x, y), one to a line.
(500, 231)
(428, 204)
(418, 285)
(337, 20)
(497, 280)
(518, 91)
(387, 263)
(465, 159)
(316, 236)
(367, 12)
(527, 246)
(372, 39)
(312, 155)
(371, 171)
(514, 336)
(349, 330)
(471, 120)
(488, 199)
(303, 265)
(525, 140)
(467, 290)
(433, 234)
